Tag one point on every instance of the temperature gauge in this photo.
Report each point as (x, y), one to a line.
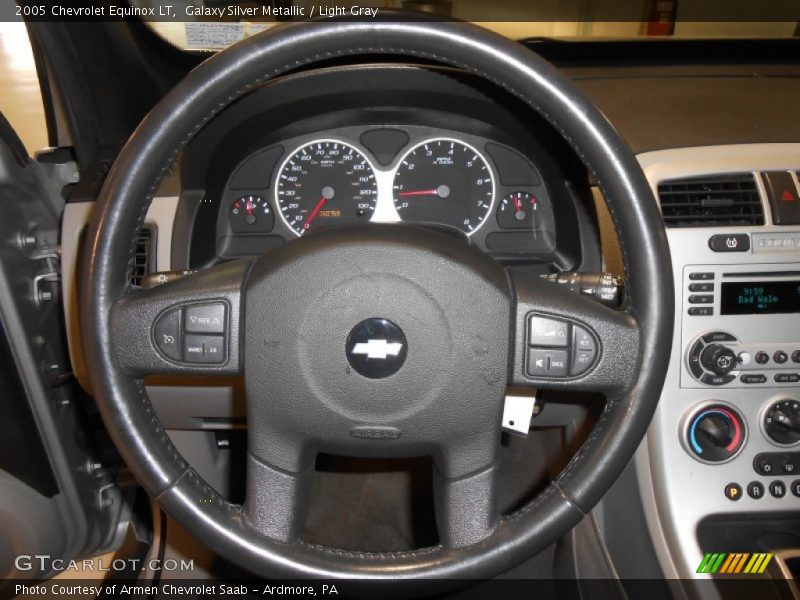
(518, 210)
(251, 214)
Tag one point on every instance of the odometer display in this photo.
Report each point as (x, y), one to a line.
(444, 181)
(323, 183)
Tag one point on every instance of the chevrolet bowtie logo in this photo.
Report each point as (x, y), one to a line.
(377, 348)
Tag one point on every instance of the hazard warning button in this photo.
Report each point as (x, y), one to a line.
(783, 196)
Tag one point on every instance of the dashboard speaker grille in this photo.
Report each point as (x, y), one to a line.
(711, 201)
(143, 256)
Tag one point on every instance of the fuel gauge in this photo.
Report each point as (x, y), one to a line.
(251, 214)
(518, 210)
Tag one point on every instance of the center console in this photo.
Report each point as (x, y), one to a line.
(724, 445)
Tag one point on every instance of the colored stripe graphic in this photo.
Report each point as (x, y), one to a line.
(734, 563)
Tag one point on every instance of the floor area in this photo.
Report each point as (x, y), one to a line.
(20, 98)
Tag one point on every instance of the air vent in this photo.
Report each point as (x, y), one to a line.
(711, 201)
(142, 261)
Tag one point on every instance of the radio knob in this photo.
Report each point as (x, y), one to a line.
(782, 422)
(718, 359)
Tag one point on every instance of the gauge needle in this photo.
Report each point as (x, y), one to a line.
(314, 212)
(442, 191)
(419, 193)
(517, 203)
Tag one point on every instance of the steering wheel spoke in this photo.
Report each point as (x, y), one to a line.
(276, 500)
(466, 506)
(564, 340)
(187, 326)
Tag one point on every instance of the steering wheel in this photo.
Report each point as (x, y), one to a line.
(374, 341)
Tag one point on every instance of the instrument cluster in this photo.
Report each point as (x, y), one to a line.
(414, 174)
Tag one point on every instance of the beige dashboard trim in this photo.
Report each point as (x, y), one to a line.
(160, 216)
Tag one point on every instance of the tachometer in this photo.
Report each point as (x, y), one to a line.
(444, 181)
(325, 182)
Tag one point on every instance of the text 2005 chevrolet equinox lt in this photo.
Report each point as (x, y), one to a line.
(383, 302)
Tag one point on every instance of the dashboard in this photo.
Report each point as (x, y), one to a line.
(407, 144)
(387, 174)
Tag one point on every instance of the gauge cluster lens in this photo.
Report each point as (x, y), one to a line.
(444, 181)
(325, 183)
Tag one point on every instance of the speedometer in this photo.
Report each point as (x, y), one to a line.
(325, 182)
(444, 181)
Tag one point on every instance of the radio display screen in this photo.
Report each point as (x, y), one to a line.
(760, 297)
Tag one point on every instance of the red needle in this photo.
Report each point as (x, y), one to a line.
(420, 193)
(314, 212)
(517, 203)
(249, 207)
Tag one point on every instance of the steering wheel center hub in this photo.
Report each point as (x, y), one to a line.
(381, 343)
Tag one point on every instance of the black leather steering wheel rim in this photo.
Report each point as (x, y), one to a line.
(215, 84)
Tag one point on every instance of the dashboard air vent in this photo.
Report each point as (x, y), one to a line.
(142, 260)
(711, 201)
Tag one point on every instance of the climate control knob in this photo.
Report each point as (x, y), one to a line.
(715, 433)
(782, 422)
(718, 359)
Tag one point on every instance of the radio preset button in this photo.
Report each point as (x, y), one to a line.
(762, 358)
(701, 311)
(780, 357)
(701, 287)
(701, 299)
(796, 356)
(701, 276)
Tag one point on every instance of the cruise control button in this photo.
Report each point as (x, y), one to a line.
(751, 378)
(777, 488)
(205, 318)
(733, 491)
(729, 242)
(167, 334)
(755, 489)
(547, 332)
(204, 349)
(547, 363)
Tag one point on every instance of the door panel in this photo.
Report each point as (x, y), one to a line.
(59, 492)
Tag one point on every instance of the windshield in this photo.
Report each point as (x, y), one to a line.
(215, 24)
